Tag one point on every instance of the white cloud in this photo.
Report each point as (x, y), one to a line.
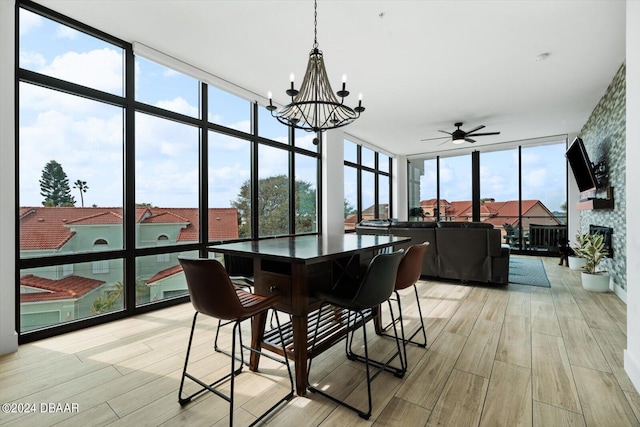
(536, 178)
(29, 21)
(100, 69)
(178, 105)
(272, 161)
(530, 158)
(64, 32)
(32, 60)
(73, 142)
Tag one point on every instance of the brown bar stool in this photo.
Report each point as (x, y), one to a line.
(409, 273)
(213, 294)
(359, 299)
(240, 270)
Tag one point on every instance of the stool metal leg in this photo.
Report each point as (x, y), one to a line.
(421, 328)
(233, 371)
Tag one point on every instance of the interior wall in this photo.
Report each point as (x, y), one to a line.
(400, 182)
(632, 354)
(604, 136)
(8, 335)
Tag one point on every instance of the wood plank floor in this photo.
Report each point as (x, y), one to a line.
(497, 356)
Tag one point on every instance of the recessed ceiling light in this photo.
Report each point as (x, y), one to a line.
(542, 57)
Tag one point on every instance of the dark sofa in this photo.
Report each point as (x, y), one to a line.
(467, 251)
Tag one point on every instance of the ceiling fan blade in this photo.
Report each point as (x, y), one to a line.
(470, 140)
(483, 134)
(431, 139)
(475, 129)
(442, 143)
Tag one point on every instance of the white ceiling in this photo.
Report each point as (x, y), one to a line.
(421, 65)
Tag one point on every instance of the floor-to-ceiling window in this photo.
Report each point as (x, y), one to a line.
(522, 192)
(125, 164)
(367, 184)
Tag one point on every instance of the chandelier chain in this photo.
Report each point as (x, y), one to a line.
(315, 24)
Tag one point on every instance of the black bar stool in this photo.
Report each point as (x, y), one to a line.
(359, 299)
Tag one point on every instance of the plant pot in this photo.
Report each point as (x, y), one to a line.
(577, 263)
(598, 282)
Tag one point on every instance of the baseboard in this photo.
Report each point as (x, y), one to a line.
(621, 293)
(9, 343)
(632, 368)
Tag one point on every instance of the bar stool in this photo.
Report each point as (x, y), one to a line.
(359, 299)
(213, 294)
(409, 273)
(240, 270)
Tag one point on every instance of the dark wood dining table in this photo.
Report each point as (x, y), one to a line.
(295, 267)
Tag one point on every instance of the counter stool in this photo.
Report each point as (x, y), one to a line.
(409, 273)
(213, 294)
(358, 299)
(240, 270)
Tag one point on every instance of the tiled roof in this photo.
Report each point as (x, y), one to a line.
(43, 228)
(67, 288)
(163, 274)
(165, 217)
(101, 218)
(497, 213)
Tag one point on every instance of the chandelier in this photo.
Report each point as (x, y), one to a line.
(315, 107)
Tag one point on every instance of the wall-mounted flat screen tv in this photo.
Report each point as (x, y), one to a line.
(581, 166)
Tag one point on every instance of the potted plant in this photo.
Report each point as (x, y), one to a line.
(592, 250)
(576, 261)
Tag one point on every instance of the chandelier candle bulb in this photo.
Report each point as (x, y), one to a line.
(344, 92)
(292, 91)
(359, 109)
(270, 107)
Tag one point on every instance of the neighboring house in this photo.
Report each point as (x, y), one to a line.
(500, 214)
(50, 295)
(166, 283)
(48, 302)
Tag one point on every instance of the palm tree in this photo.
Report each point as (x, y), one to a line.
(82, 187)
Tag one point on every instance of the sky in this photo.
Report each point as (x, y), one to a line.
(86, 137)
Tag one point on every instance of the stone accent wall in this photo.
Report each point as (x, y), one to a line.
(604, 137)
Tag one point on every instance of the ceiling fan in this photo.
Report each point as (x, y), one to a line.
(459, 136)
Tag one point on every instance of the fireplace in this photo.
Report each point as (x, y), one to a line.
(606, 232)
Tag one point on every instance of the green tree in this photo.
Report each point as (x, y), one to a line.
(306, 212)
(273, 206)
(107, 303)
(349, 209)
(54, 186)
(82, 187)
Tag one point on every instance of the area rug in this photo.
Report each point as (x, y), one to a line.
(528, 271)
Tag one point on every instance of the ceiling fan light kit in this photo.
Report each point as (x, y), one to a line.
(315, 107)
